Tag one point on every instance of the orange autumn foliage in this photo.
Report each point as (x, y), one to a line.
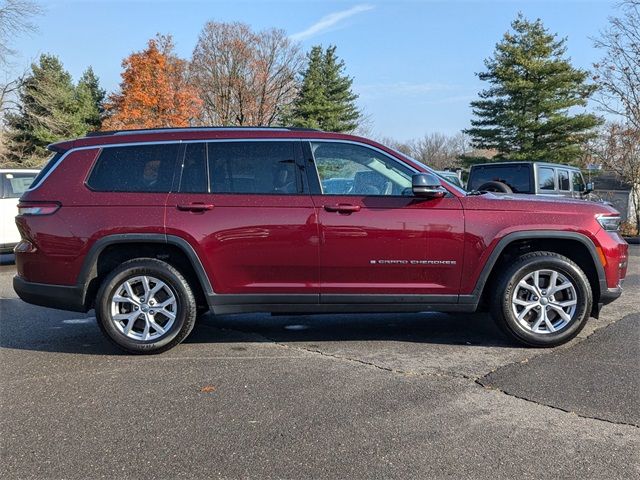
(155, 91)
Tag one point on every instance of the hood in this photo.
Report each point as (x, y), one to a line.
(532, 203)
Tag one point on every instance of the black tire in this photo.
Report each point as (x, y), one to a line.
(502, 308)
(185, 305)
(498, 187)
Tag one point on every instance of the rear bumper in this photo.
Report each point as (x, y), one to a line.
(62, 297)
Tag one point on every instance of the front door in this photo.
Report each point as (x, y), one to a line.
(376, 237)
(244, 208)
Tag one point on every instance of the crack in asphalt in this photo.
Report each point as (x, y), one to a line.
(588, 417)
(476, 380)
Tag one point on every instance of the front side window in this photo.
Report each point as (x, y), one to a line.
(563, 180)
(546, 179)
(253, 167)
(15, 184)
(578, 182)
(138, 168)
(347, 169)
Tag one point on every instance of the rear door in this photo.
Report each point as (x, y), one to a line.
(376, 237)
(246, 210)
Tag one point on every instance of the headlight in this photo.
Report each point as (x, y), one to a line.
(610, 223)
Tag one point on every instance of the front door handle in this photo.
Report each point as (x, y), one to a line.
(195, 207)
(342, 208)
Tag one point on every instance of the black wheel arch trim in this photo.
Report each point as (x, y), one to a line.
(505, 241)
(89, 271)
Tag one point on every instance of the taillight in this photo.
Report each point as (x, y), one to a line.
(38, 208)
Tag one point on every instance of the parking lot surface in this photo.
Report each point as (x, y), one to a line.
(328, 396)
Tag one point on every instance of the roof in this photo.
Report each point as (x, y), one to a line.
(546, 164)
(197, 133)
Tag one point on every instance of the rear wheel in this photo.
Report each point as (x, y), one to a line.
(145, 306)
(544, 299)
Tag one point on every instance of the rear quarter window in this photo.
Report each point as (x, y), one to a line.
(138, 168)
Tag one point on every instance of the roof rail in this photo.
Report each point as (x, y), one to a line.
(140, 131)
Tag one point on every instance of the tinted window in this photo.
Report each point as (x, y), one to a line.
(253, 167)
(546, 179)
(346, 169)
(563, 180)
(516, 176)
(15, 184)
(578, 182)
(194, 169)
(140, 168)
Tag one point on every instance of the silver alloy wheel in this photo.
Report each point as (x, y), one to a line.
(544, 301)
(143, 308)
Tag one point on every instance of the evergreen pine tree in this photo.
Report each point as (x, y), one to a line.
(325, 100)
(51, 108)
(90, 97)
(342, 114)
(526, 113)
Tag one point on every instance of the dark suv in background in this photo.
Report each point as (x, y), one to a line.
(152, 227)
(537, 178)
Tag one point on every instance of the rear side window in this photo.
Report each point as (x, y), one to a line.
(546, 179)
(138, 168)
(563, 180)
(194, 178)
(518, 177)
(253, 167)
(578, 182)
(16, 183)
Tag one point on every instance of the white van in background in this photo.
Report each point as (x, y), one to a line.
(13, 183)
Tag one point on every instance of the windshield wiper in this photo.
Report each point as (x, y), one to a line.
(475, 192)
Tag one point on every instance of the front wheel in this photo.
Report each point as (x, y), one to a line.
(145, 306)
(543, 299)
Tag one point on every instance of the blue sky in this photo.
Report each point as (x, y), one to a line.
(413, 62)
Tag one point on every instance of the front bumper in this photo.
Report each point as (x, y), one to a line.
(62, 297)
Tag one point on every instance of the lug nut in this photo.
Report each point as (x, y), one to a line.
(544, 292)
(535, 299)
(151, 312)
(142, 300)
(135, 308)
(151, 302)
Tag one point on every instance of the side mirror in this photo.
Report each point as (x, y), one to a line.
(427, 185)
(588, 188)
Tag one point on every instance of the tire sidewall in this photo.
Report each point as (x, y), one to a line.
(103, 308)
(583, 308)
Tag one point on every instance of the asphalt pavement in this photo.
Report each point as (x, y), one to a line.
(329, 396)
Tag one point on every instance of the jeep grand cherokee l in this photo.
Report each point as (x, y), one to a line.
(153, 227)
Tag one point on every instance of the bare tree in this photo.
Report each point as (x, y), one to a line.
(438, 150)
(244, 77)
(618, 75)
(15, 18)
(617, 147)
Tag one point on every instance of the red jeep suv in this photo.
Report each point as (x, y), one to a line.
(153, 227)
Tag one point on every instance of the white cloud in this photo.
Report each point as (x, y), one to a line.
(407, 89)
(328, 21)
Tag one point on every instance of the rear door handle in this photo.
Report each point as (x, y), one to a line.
(195, 207)
(342, 208)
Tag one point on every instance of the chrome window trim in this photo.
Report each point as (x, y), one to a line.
(408, 165)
